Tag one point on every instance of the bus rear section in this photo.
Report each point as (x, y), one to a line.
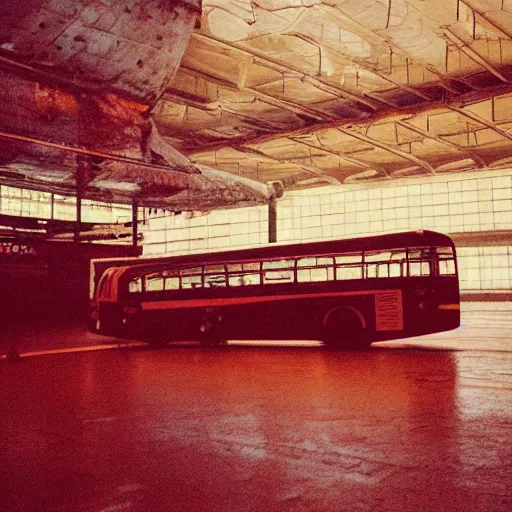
(346, 298)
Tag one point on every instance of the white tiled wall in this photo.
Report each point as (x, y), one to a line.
(169, 233)
(485, 268)
(30, 203)
(468, 203)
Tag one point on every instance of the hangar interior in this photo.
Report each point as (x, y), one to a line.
(374, 116)
(155, 127)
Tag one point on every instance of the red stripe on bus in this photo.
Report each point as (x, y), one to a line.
(194, 303)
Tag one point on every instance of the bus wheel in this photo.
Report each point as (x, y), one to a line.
(343, 331)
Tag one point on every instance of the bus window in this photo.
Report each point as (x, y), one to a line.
(446, 267)
(419, 262)
(445, 261)
(154, 283)
(444, 252)
(278, 272)
(398, 263)
(371, 271)
(135, 285)
(349, 266)
(419, 268)
(244, 274)
(383, 270)
(191, 278)
(235, 274)
(377, 256)
(214, 276)
(315, 269)
(372, 260)
(172, 283)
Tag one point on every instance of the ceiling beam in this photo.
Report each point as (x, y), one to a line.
(310, 168)
(296, 108)
(425, 133)
(472, 54)
(481, 120)
(387, 147)
(484, 16)
(264, 60)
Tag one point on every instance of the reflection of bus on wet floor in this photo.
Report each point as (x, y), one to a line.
(347, 293)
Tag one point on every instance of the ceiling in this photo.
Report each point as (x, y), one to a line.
(158, 100)
(312, 91)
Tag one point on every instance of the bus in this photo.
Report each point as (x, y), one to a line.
(346, 293)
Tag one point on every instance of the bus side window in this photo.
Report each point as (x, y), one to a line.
(376, 263)
(419, 268)
(446, 261)
(349, 266)
(135, 285)
(446, 267)
(278, 272)
(244, 274)
(154, 283)
(235, 277)
(315, 269)
(383, 270)
(191, 278)
(419, 262)
(397, 269)
(172, 283)
(214, 276)
(251, 274)
(398, 263)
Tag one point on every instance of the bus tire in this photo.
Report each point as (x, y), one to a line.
(343, 330)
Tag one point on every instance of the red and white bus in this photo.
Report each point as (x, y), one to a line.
(347, 293)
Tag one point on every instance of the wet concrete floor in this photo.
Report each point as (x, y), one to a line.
(245, 428)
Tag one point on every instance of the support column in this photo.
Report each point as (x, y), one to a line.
(135, 224)
(78, 223)
(82, 168)
(272, 220)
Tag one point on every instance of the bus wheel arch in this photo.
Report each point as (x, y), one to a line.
(344, 328)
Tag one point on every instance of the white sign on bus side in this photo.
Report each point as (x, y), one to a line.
(389, 314)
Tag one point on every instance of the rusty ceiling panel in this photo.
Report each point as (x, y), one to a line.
(132, 47)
